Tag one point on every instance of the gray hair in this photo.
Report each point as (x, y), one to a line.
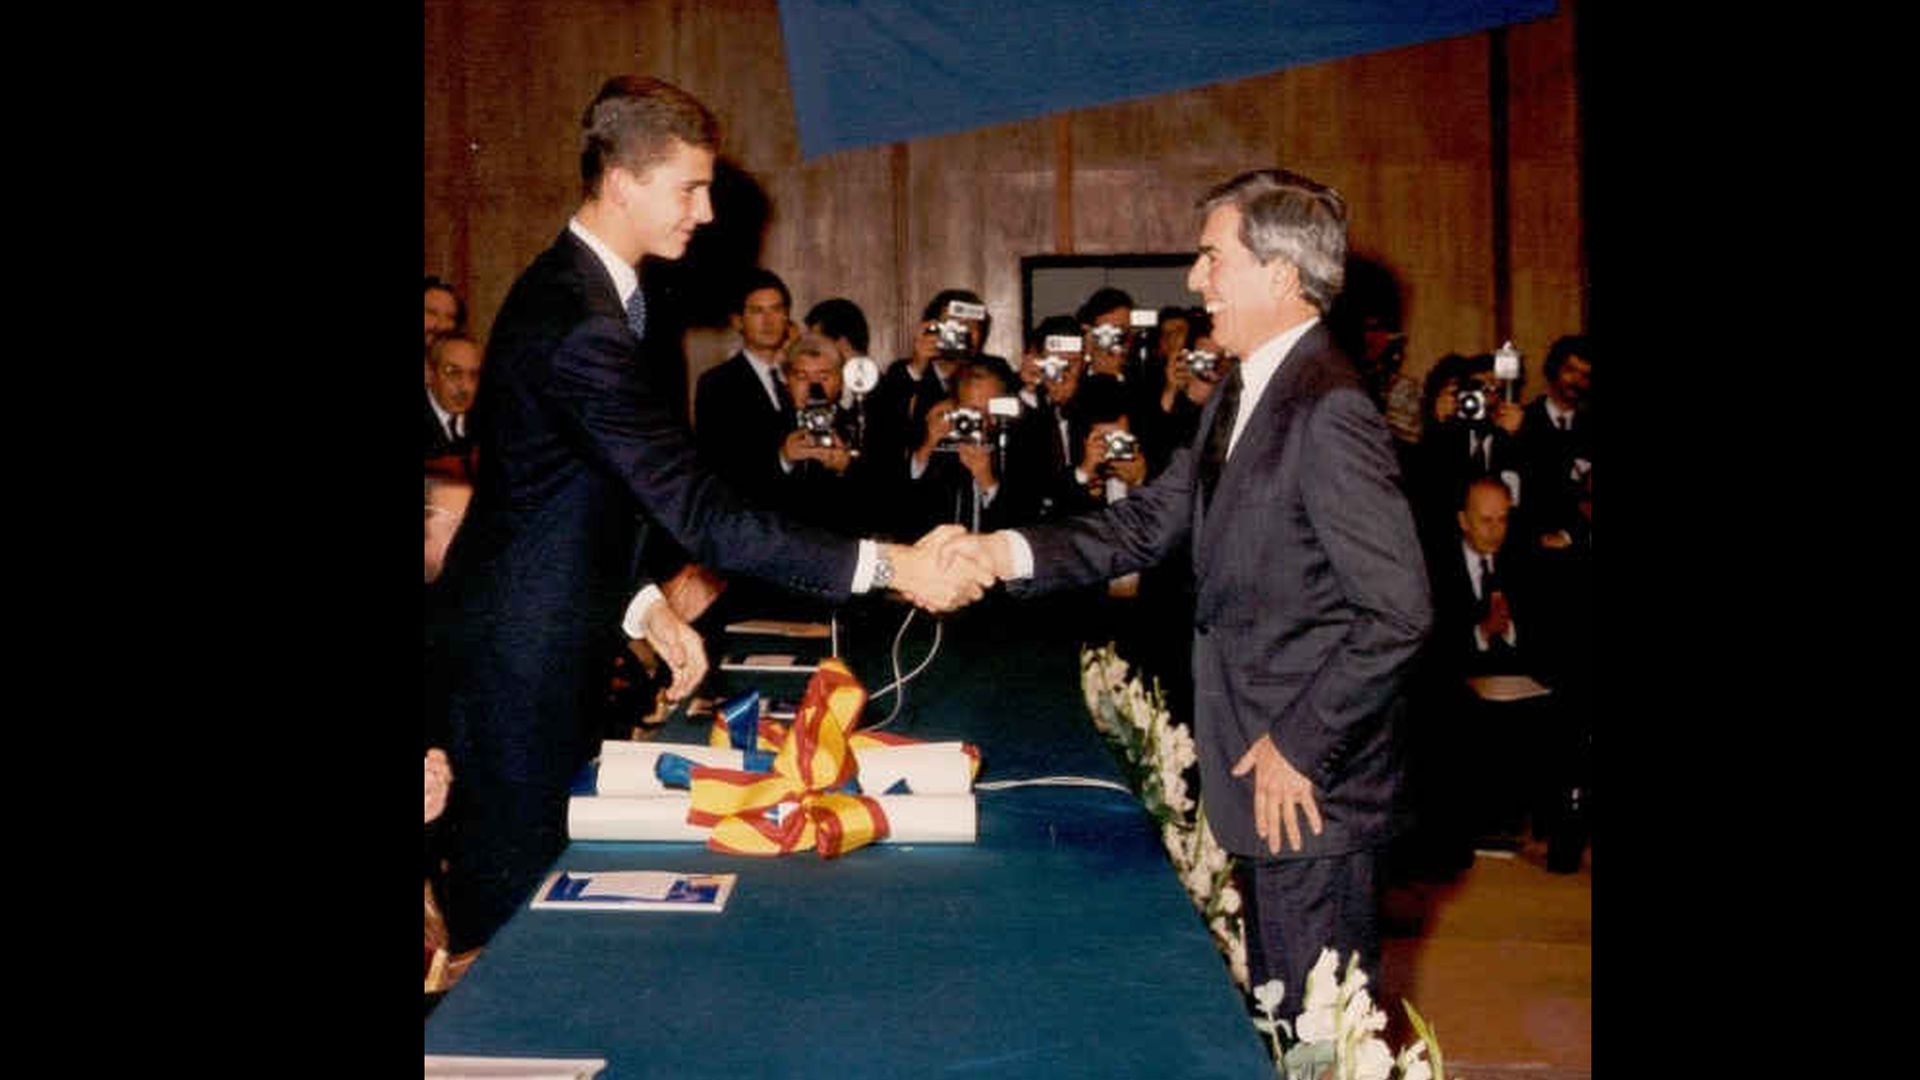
(1285, 215)
(812, 344)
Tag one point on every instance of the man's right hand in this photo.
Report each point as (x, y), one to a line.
(934, 579)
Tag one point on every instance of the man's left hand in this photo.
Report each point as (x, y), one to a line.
(1279, 792)
(679, 645)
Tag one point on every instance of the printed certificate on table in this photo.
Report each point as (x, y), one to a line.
(633, 890)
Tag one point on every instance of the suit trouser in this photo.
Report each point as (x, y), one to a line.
(1297, 907)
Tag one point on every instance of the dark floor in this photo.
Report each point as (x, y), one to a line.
(1500, 963)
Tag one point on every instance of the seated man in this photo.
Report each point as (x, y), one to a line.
(1480, 764)
(741, 412)
(452, 379)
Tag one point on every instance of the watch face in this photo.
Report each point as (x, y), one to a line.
(860, 373)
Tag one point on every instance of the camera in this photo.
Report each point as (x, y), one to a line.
(1062, 350)
(1204, 364)
(816, 418)
(1473, 404)
(1110, 338)
(954, 331)
(965, 426)
(1120, 446)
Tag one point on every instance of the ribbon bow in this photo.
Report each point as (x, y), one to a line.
(807, 800)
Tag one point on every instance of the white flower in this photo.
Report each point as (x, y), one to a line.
(1237, 959)
(1371, 1060)
(1317, 1023)
(1355, 979)
(1269, 994)
(1229, 900)
(1323, 990)
(1413, 1064)
(1199, 883)
(1360, 1017)
(1182, 743)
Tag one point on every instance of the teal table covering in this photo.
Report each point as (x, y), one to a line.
(1059, 944)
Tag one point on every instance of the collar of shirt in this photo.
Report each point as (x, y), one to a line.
(766, 372)
(1473, 556)
(1257, 371)
(1555, 413)
(625, 278)
(434, 403)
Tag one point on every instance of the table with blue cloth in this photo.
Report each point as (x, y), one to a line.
(1059, 944)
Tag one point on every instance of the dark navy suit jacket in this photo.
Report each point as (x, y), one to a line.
(1311, 595)
(581, 453)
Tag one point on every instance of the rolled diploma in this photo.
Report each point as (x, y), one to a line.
(627, 768)
(912, 819)
(630, 772)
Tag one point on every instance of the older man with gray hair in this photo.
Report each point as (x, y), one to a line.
(1311, 593)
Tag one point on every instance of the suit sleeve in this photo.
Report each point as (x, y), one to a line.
(601, 397)
(1132, 534)
(1361, 520)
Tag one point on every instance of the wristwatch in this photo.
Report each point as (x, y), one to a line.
(882, 571)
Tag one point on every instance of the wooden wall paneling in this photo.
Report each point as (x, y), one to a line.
(972, 215)
(1547, 229)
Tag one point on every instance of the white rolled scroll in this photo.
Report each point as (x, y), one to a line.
(911, 819)
(943, 768)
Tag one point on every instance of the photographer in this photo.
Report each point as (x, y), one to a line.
(1189, 376)
(897, 408)
(1047, 445)
(825, 482)
(954, 477)
(1105, 318)
(1469, 432)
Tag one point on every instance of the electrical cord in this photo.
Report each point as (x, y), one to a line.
(898, 686)
(1054, 781)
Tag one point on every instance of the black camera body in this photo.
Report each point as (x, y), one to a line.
(818, 419)
(1203, 364)
(1473, 404)
(1108, 337)
(966, 427)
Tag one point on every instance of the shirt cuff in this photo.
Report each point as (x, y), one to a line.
(864, 565)
(917, 468)
(1022, 554)
(987, 494)
(635, 620)
(786, 467)
(1479, 639)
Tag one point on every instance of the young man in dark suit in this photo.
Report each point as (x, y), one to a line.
(581, 453)
(1311, 592)
(741, 410)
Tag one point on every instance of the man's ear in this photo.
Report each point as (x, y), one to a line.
(1286, 279)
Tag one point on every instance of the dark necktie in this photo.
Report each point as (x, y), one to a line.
(453, 428)
(637, 313)
(1486, 578)
(1219, 436)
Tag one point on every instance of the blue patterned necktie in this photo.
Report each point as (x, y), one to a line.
(637, 313)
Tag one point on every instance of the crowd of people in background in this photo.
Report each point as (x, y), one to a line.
(798, 419)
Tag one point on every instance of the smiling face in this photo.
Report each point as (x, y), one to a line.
(1247, 300)
(661, 207)
(454, 374)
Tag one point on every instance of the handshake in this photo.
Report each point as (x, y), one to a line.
(949, 567)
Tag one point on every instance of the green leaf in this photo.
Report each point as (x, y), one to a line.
(1427, 1036)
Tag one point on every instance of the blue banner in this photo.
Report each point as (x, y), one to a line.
(868, 72)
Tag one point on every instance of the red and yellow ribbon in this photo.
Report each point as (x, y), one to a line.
(797, 805)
